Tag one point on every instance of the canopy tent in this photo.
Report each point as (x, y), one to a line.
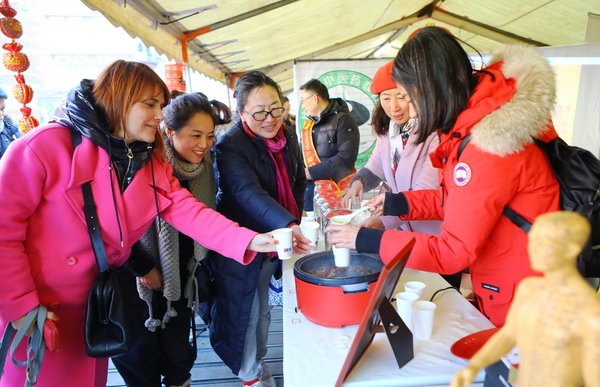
(222, 38)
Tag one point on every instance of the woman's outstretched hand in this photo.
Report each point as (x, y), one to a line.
(300, 242)
(375, 205)
(262, 243)
(354, 194)
(18, 322)
(342, 235)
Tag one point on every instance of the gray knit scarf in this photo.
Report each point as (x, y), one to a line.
(162, 240)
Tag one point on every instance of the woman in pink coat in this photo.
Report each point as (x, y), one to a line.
(401, 154)
(46, 253)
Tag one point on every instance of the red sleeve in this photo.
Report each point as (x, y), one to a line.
(424, 205)
(470, 213)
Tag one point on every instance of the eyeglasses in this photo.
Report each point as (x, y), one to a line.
(262, 115)
(307, 97)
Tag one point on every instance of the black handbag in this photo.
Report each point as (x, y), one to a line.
(106, 322)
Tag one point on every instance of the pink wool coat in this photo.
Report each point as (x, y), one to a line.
(45, 251)
(414, 172)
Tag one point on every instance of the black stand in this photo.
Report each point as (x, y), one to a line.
(380, 309)
(399, 336)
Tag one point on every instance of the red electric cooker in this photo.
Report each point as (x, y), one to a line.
(335, 296)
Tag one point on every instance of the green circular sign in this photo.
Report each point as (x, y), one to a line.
(352, 79)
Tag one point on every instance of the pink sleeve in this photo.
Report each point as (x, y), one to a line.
(374, 163)
(22, 178)
(205, 225)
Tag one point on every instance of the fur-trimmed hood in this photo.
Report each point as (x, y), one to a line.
(510, 127)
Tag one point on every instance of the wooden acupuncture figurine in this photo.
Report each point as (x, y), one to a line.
(554, 320)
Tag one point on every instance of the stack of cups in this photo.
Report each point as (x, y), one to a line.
(416, 314)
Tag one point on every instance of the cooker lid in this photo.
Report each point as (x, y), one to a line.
(319, 268)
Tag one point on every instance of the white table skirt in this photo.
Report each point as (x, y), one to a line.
(313, 354)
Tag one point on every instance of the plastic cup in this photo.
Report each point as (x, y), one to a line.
(404, 301)
(310, 229)
(283, 242)
(310, 215)
(416, 287)
(341, 256)
(422, 319)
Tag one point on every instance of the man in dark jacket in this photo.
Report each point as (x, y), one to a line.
(330, 138)
(8, 131)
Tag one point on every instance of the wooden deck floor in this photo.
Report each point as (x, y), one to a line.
(210, 371)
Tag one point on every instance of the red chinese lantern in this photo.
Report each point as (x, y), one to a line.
(14, 60)
(174, 77)
(11, 27)
(27, 121)
(22, 92)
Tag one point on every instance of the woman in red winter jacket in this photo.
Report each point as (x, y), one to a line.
(501, 107)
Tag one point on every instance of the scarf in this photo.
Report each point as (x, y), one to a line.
(162, 240)
(275, 145)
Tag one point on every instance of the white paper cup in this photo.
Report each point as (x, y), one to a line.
(310, 229)
(416, 287)
(283, 242)
(422, 319)
(310, 215)
(404, 301)
(341, 256)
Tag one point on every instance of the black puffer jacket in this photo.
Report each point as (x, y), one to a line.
(247, 183)
(336, 138)
(248, 195)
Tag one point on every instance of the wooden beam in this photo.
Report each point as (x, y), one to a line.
(394, 26)
(481, 29)
(190, 35)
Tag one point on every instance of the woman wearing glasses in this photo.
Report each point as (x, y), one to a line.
(261, 183)
(401, 155)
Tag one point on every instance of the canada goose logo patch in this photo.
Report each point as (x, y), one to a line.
(462, 174)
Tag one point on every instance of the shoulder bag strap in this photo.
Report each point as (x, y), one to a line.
(517, 219)
(463, 143)
(91, 216)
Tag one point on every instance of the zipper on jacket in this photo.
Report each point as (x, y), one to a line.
(129, 160)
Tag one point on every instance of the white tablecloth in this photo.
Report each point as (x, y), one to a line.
(313, 354)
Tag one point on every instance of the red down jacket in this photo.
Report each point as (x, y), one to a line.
(499, 166)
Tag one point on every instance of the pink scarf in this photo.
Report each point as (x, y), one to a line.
(275, 146)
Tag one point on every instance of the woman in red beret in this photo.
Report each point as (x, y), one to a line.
(401, 155)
